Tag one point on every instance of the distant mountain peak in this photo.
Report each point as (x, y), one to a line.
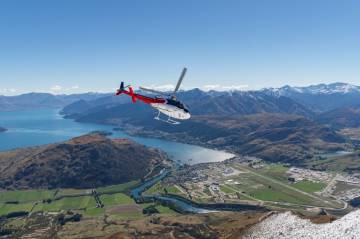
(320, 97)
(333, 88)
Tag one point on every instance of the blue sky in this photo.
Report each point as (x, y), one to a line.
(66, 46)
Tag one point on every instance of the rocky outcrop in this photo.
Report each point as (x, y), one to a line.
(287, 225)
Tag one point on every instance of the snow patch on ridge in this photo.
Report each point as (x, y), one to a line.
(287, 225)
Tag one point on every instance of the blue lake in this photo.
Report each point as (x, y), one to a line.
(38, 127)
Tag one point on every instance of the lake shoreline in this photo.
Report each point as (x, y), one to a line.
(48, 126)
(135, 131)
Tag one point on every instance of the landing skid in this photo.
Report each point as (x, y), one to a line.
(169, 120)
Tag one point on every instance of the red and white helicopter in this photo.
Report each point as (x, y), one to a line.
(165, 103)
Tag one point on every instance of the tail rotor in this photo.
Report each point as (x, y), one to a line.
(133, 98)
(122, 88)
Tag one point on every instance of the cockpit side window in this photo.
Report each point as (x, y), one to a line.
(177, 104)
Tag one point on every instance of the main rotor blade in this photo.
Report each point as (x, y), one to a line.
(180, 80)
(153, 91)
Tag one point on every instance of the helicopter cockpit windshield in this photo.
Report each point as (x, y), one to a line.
(177, 104)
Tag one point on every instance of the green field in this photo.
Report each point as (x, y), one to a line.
(67, 204)
(116, 199)
(27, 198)
(83, 204)
(165, 210)
(277, 171)
(264, 187)
(173, 189)
(308, 186)
(8, 208)
(157, 188)
(68, 192)
(93, 212)
(23, 196)
(119, 187)
(226, 189)
(267, 194)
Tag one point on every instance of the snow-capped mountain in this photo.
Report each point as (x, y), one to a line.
(321, 97)
(335, 88)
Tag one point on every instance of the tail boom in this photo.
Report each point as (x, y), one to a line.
(135, 97)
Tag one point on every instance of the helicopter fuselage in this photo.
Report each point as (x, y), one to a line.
(172, 110)
(170, 107)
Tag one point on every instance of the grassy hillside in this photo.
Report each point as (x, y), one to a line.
(273, 137)
(346, 117)
(85, 162)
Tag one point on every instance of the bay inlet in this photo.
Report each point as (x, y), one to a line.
(46, 126)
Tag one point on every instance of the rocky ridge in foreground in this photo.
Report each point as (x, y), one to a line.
(287, 225)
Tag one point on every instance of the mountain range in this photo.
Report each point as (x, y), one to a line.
(87, 161)
(43, 100)
(305, 101)
(335, 104)
(204, 103)
(322, 97)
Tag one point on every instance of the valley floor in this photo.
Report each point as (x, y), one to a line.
(251, 181)
(243, 180)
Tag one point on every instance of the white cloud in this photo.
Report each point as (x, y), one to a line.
(223, 87)
(210, 87)
(56, 88)
(8, 91)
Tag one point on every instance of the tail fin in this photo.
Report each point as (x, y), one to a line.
(121, 89)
